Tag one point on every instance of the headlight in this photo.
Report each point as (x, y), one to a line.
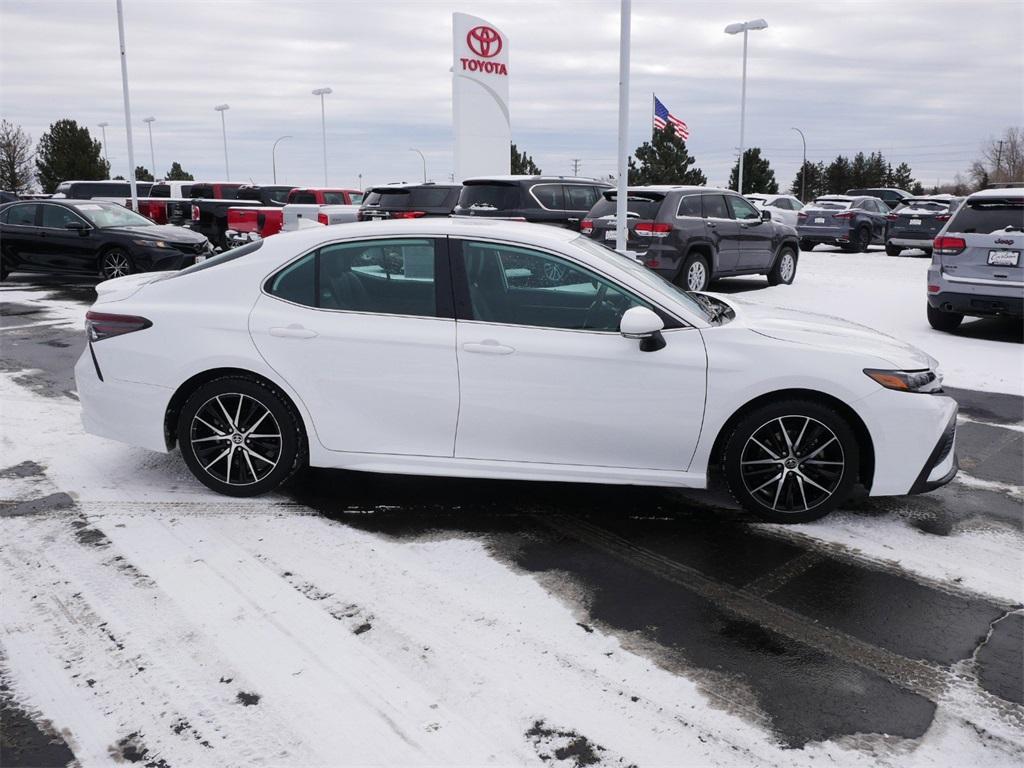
(152, 243)
(927, 381)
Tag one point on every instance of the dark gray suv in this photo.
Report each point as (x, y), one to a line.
(558, 200)
(692, 235)
(852, 223)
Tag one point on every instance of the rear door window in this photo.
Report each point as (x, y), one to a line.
(988, 216)
(549, 196)
(22, 215)
(331, 198)
(714, 207)
(304, 198)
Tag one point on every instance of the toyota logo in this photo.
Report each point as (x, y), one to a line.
(484, 41)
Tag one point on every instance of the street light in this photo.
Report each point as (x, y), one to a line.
(413, 149)
(152, 158)
(803, 169)
(321, 92)
(222, 108)
(273, 155)
(735, 29)
(103, 127)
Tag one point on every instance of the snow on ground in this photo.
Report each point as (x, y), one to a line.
(889, 294)
(156, 616)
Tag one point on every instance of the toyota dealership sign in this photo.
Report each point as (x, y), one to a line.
(483, 129)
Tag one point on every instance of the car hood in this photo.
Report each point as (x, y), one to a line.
(166, 232)
(828, 332)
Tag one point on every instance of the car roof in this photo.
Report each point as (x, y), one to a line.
(409, 185)
(1003, 193)
(671, 188)
(882, 189)
(528, 177)
(839, 197)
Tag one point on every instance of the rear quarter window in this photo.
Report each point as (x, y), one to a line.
(987, 216)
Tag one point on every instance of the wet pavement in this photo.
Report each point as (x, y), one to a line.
(808, 640)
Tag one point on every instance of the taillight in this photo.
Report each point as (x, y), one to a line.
(407, 214)
(586, 227)
(847, 215)
(944, 217)
(322, 218)
(100, 325)
(801, 215)
(361, 216)
(195, 213)
(890, 217)
(652, 229)
(949, 246)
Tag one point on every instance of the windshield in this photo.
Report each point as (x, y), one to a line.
(109, 215)
(641, 206)
(489, 197)
(637, 270)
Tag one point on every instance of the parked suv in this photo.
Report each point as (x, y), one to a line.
(976, 260)
(916, 221)
(692, 235)
(409, 201)
(852, 223)
(559, 200)
(890, 196)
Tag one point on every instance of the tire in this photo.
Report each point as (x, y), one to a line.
(892, 250)
(783, 485)
(695, 274)
(219, 451)
(807, 245)
(115, 262)
(863, 239)
(783, 271)
(944, 321)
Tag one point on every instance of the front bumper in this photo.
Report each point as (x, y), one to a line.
(977, 304)
(942, 464)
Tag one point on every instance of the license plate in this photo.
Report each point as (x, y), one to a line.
(200, 258)
(1004, 258)
(914, 222)
(609, 234)
(819, 220)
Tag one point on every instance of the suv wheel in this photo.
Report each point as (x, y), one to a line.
(943, 321)
(240, 436)
(892, 250)
(791, 462)
(695, 275)
(784, 269)
(807, 245)
(863, 239)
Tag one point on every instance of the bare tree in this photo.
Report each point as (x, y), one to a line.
(16, 172)
(1001, 159)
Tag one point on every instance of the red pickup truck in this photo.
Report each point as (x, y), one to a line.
(245, 224)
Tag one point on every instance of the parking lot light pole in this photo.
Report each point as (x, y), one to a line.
(803, 169)
(103, 127)
(273, 155)
(152, 158)
(621, 211)
(413, 149)
(127, 108)
(321, 92)
(222, 108)
(734, 29)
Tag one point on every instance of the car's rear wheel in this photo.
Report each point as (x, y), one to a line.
(792, 461)
(807, 245)
(240, 436)
(892, 250)
(784, 269)
(696, 274)
(115, 262)
(943, 321)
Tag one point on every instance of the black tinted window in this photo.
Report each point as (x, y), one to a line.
(332, 198)
(305, 198)
(579, 197)
(160, 190)
(489, 197)
(228, 193)
(428, 197)
(22, 215)
(549, 195)
(641, 206)
(57, 216)
(783, 204)
(201, 190)
(714, 207)
(296, 282)
(394, 277)
(988, 216)
(690, 206)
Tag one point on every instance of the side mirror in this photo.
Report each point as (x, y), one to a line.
(77, 226)
(643, 324)
(766, 215)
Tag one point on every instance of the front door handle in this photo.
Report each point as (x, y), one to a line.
(293, 331)
(488, 347)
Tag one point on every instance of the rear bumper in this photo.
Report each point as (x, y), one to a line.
(942, 464)
(824, 234)
(977, 304)
(912, 242)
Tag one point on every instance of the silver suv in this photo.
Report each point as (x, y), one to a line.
(976, 260)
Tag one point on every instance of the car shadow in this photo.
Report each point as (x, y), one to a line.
(739, 284)
(73, 287)
(1006, 329)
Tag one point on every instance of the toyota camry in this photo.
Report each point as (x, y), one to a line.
(446, 347)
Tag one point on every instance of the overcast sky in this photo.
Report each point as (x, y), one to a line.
(924, 82)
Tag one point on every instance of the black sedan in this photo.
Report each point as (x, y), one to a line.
(91, 237)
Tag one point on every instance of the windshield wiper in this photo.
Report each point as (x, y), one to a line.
(715, 310)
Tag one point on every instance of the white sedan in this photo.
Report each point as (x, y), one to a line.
(782, 207)
(447, 347)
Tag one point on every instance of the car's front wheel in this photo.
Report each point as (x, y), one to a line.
(792, 461)
(944, 321)
(240, 436)
(696, 274)
(784, 269)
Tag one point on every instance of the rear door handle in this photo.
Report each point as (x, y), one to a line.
(488, 347)
(293, 331)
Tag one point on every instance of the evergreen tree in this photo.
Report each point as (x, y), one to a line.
(902, 177)
(876, 171)
(664, 160)
(66, 152)
(815, 181)
(838, 176)
(917, 189)
(522, 163)
(177, 173)
(15, 158)
(143, 174)
(858, 172)
(758, 175)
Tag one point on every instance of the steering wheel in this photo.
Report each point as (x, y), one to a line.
(599, 304)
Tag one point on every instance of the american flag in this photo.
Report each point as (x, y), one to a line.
(661, 115)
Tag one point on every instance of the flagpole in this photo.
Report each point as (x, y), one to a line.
(621, 212)
(653, 112)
